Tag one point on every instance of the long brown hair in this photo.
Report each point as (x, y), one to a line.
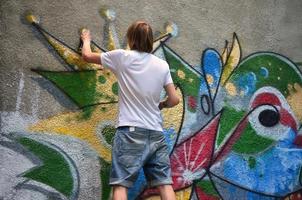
(140, 36)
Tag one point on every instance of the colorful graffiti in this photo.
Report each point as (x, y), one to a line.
(235, 135)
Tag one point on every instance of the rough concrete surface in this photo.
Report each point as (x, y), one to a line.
(27, 98)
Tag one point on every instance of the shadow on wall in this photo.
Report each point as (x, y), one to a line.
(235, 135)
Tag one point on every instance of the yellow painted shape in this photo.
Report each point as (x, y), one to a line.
(231, 89)
(294, 99)
(86, 130)
(181, 74)
(210, 79)
(173, 116)
(180, 195)
(232, 60)
(70, 57)
(111, 44)
(224, 55)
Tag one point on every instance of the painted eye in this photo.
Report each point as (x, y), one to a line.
(265, 120)
(269, 118)
(270, 115)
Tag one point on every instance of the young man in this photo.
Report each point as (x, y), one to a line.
(139, 141)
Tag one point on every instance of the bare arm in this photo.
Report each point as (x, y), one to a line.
(87, 54)
(172, 99)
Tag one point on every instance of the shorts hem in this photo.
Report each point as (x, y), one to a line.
(160, 182)
(127, 184)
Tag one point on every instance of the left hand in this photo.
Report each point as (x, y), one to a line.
(85, 35)
(161, 105)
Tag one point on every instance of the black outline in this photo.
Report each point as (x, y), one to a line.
(215, 136)
(208, 101)
(225, 50)
(214, 185)
(169, 36)
(182, 121)
(240, 57)
(182, 60)
(43, 32)
(294, 192)
(243, 188)
(212, 99)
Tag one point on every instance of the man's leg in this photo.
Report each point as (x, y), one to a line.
(119, 192)
(166, 192)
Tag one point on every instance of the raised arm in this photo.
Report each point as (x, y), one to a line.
(87, 54)
(172, 99)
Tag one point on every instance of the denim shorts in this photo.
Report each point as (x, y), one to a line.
(135, 148)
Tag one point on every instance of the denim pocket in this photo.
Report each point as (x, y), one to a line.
(130, 150)
(130, 157)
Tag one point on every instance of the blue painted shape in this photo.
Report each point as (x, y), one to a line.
(247, 83)
(212, 67)
(264, 72)
(276, 171)
(170, 136)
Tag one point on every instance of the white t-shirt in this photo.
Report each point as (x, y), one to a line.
(141, 78)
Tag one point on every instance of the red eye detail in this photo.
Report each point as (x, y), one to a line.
(266, 98)
(287, 119)
(269, 98)
(298, 140)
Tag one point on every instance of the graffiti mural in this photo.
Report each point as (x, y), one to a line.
(235, 135)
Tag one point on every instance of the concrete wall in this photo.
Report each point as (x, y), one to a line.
(235, 135)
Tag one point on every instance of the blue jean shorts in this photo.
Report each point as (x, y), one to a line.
(135, 148)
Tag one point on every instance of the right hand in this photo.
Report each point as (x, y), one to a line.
(85, 35)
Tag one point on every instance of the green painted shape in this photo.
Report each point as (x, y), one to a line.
(80, 86)
(105, 175)
(189, 88)
(251, 143)
(54, 172)
(272, 62)
(115, 88)
(228, 121)
(108, 132)
(207, 187)
(252, 162)
(102, 79)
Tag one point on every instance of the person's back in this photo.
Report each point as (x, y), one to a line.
(141, 78)
(139, 141)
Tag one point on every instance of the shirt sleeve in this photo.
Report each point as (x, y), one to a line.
(168, 78)
(111, 59)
